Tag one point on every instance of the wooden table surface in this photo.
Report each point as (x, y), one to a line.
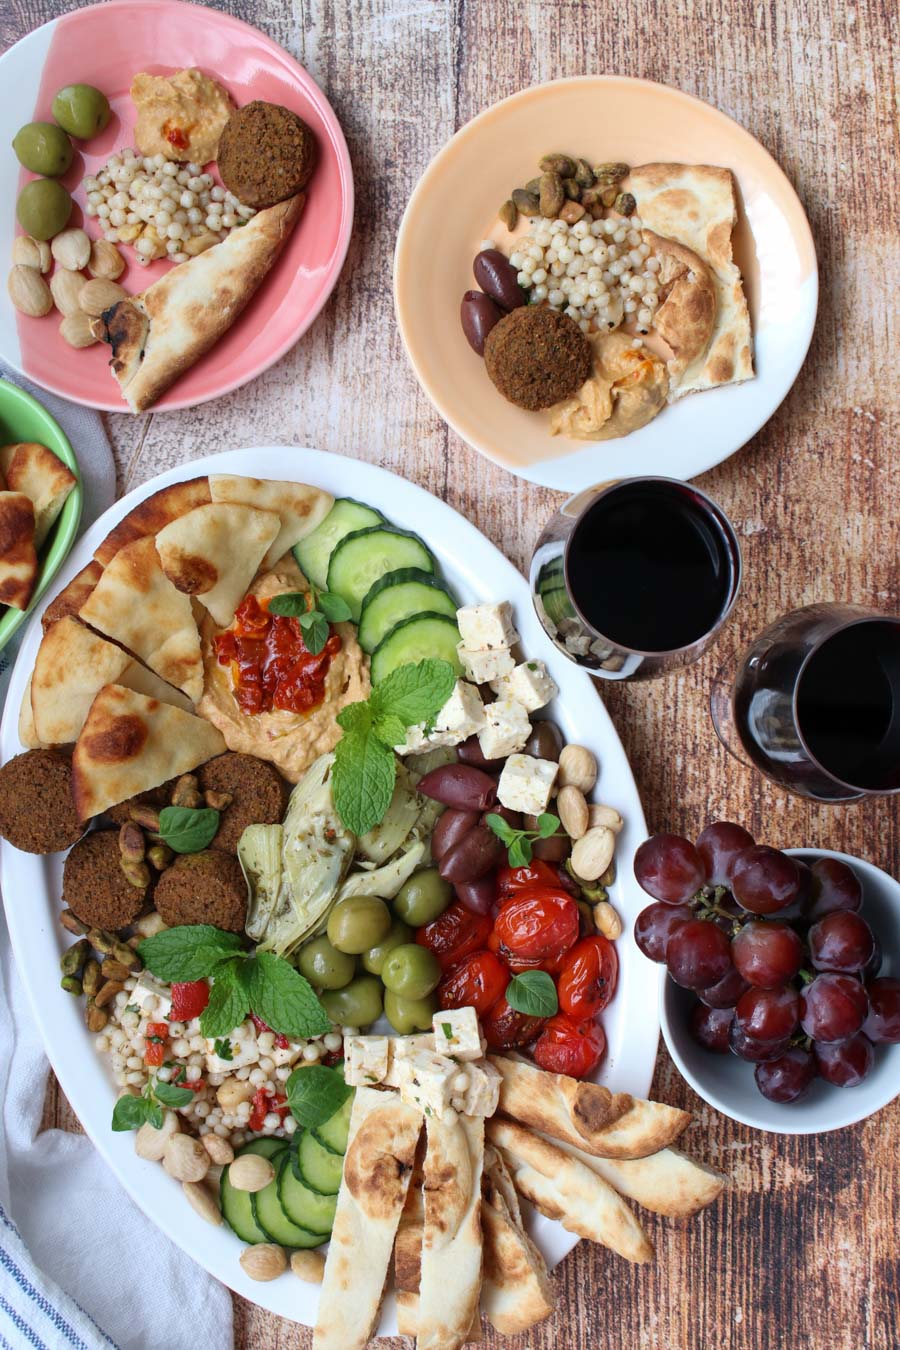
(804, 1248)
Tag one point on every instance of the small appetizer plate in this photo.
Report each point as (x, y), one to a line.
(454, 207)
(107, 45)
(727, 1082)
(23, 419)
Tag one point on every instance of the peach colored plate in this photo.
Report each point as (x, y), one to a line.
(105, 45)
(608, 117)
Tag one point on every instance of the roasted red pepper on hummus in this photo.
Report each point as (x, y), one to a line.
(270, 665)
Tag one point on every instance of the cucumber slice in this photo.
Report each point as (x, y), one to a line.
(336, 1129)
(398, 596)
(237, 1206)
(361, 558)
(426, 635)
(305, 1207)
(317, 1166)
(313, 552)
(271, 1218)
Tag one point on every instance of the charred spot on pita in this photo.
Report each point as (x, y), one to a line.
(124, 739)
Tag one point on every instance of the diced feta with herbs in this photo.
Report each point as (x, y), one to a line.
(506, 729)
(457, 1034)
(483, 667)
(426, 1082)
(460, 717)
(238, 1054)
(526, 784)
(366, 1060)
(147, 987)
(401, 1049)
(487, 626)
(529, 684)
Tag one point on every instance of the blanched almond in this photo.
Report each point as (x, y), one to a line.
(607, 920)
(309, 1266)
(29, 291)
(203, 1201)
(572, 810)
(76, 330)
(250, 1172)
(577, 768)
(593, 852)
(98, 295)
(72, 249)
(605, 815)
(105, 261)
(66, 288)
(30, 252)
(264, 1261)
(185, 1158)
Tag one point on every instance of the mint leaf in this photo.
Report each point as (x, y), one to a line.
(314, 627)
(223, 1048)
(170, 1095)
(355, 717)
(547, 825)
(519, 852)
(334, 607)
(188, 829)
(533, 993)
(291, 604)
(501, 828)
(130, 1113)
(390, 728)
(315, 1093)
(362, 783)
(188, 952)
(228, 1003)
(414, 692)
(283, 998)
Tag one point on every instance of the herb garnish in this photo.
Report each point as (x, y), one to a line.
(188, 829)
(315, 1093)
(314, 611)
(222, 1048)
(533, 993)
(130, 1113)
(519, 842)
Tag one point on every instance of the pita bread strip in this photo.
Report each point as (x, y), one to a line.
(150, 515)
(378, 1164)
(130, 743)
(18, 558)
(71, 667)
(27, 734)
(667, 1182)
(612, 1125)
(408, 1317)
(34, 469)
(563, 1188)
(451, 1240)
(215, 551)
(299, 507)
(72, 597)
(516, 1290)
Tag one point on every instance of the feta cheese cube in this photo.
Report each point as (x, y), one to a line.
(287, 1054)
(480, 1096)
(483, 667)
(483, 627)
(366, 1060)
(529, 684)
(506, 729)
(400, 1050)
(425, 1082)
(418, 740)
(461, 716)
(148, 986)
(526, 783)
(244, 1053)
(457, 1034)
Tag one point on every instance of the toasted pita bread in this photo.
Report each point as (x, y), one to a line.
(72, 597)
(407, 1303)
(158, 335)
(27, 734)
(695, 204)
(35, 470)
(451, 1239)
(611, 1125)
(668, 1182)
(563, 1188)
(135, 603)
(150, 515)
(130, 743)
(687, 315)
(18, 558)
(300, 508)
(378, 1164)
(516, 1290)
(214, 552)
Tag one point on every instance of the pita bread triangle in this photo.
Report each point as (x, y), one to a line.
(35, 470)
(300, 508)
(18, 558)
(130, 743)
(135, 603)
(214, 552)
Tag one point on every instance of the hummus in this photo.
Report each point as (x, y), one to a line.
(626, 391)
(291, 741)
(180, 116)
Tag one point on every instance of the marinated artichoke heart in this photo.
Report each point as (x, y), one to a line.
(384, 839)
(385, 881)
(259, 853)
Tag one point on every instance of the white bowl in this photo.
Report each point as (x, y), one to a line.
(727, 1082)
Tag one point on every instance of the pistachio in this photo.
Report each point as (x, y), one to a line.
(107, 992)
(553, 196)
(74, 957)
(611, 172)
(607, 921)
(591, 196)
(219, 1149)
(571, 212)
(150, 1142)
(509, 214)
(95, 1018)
(76, 330)
(571, 189)
(185, 1158)
(125, 953)
(578, 768)
(534, 185)
(558, 164)
(308, 1266)
(526, 202)
(572, 810)
(132, 844)
(72, 924)
(251, 1172)
(608, 196)
(111, 969)
(72, 985)
(625, 204)
(101, 941)
(608, 877)
(105, 261)
(202, 1199)
(29, 291)
(90, 977)
(592, 853)
(99, 295)
(72, 249)
(145, 815)
(584, 174)
(138, 873)
(160, 856)
(199, 243)
(186, 791)
(263, 1261)
(148, 925)
(28, 252)
(587, 915)
(219, 801)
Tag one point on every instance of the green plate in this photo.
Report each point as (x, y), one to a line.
(23, 419)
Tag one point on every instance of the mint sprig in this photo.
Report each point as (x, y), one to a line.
(188, 829)
(315, 1093)
(130, 1113)
(314, 610)
(533, 993)
(519, 850)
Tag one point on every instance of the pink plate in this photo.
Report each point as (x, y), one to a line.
(105, 45)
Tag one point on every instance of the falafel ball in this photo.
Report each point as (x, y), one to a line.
(205, 887)
(266, 154)
(536, 356)
(257, 790)
(95, 887)
(157, 797)
(37, 813)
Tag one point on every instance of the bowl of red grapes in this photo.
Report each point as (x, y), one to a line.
(781, 996)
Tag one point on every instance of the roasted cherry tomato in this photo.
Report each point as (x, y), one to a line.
(537, 925)
(567, 1045)
(477, 981)
(188, 1000)
(454, 934)
(506, 1029)
(281, 1042)
(588, 977)
(511, 880)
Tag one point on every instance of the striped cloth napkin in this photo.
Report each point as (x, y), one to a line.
(80, 1265)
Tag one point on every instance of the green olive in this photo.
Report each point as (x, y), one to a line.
(411, 971)
(43, 147)
(324, 966)
(358, 1004)
(374, 958)
(43, 208)
(407, 1015)
(359, 923)
(81, 110)
(423, 897)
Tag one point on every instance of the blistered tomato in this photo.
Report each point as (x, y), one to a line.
(567, 1045)
(188, 1000)
(511, 880)
(454, 934)
(506, 1029)
(588, 977)
(477, 981)
(537, 925)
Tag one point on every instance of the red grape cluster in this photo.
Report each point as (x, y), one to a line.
(784, 966)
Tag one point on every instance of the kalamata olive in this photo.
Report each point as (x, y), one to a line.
(545, 742)
(496, 276)
(478, 313)
(459, 786)
(476, 854)
(555, 849)
(478, 896)
(451, 827)
(512, 818)
(470, 752)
